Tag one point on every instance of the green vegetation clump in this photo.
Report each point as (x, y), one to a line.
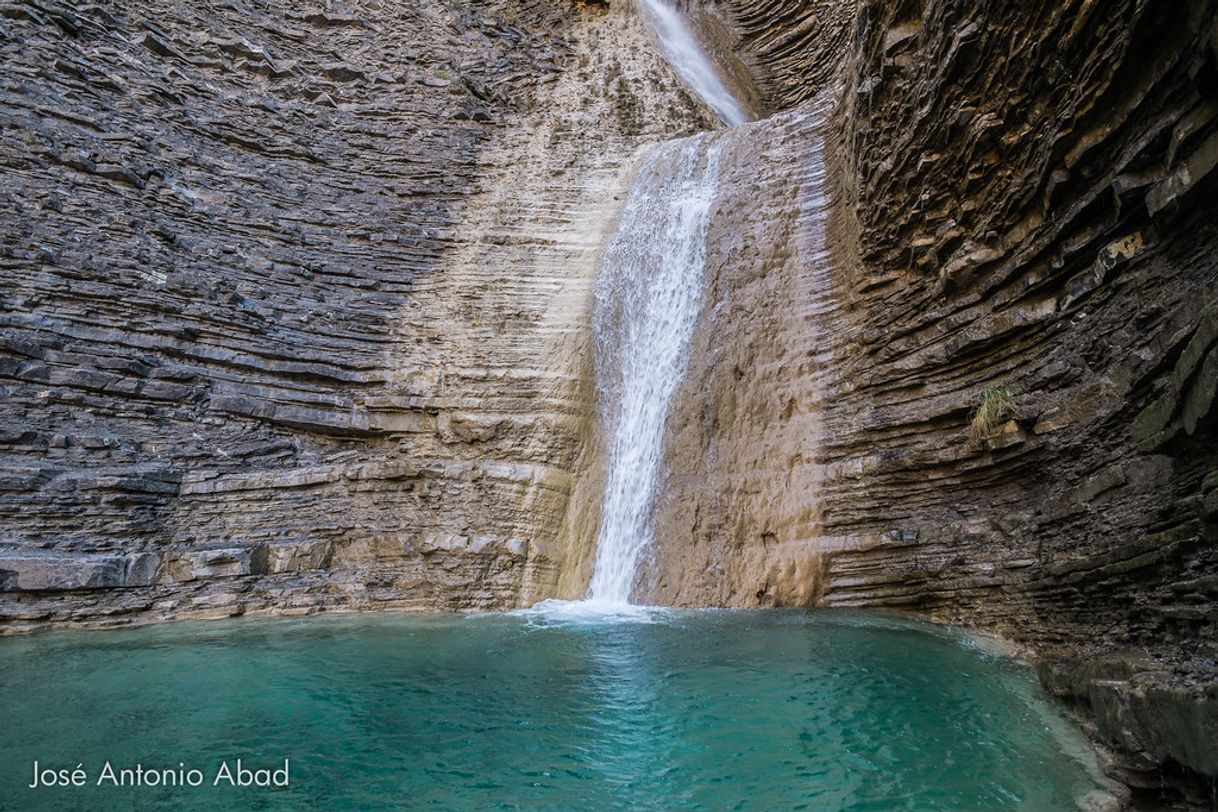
(997, 406)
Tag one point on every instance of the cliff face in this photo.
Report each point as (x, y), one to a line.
(295, 300)
(1042, 218)
(1024, 215)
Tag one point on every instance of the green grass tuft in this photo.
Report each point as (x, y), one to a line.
(997, 407)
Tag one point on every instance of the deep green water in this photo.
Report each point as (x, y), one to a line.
(719, 709)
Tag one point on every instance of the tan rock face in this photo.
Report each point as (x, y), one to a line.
(296, 301)
(738, 518)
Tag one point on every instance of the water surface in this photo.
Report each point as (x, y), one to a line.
(554, 709)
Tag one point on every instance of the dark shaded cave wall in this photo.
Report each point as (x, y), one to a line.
(214, 219)
(1040, 216)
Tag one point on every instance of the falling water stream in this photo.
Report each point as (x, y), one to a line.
(648, 297)
(691, 61)
(647, 303)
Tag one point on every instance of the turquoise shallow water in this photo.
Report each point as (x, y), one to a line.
(712, 709)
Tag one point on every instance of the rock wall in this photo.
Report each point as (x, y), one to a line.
(1042, 218)
(792, 49)
(295, 299)
(1025, 214)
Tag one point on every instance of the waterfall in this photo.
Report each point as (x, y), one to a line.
(687, 55)
(648, 297)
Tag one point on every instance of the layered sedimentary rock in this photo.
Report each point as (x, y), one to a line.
(1052, 230)
(295, 300)
(789, 49)
(1025, 209)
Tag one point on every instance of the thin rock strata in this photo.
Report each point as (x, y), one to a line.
(1053, 230)
(295, 300)
(1024, 210)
